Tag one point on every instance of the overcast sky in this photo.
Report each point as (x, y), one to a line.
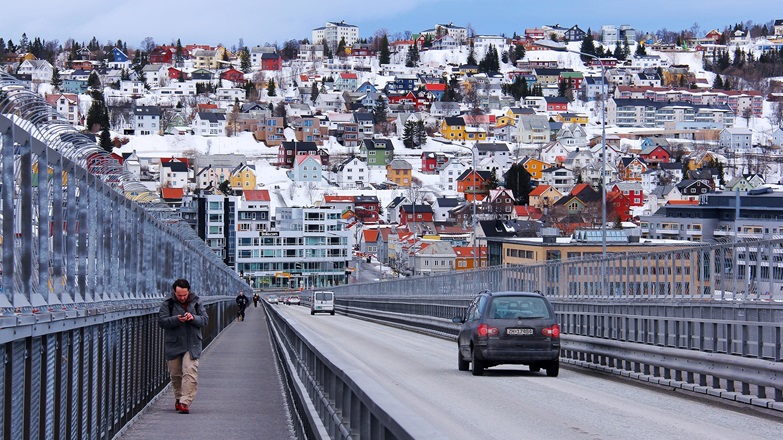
(263, 21)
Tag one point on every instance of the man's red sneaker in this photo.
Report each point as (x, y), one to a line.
(183, 408)
(177, 405)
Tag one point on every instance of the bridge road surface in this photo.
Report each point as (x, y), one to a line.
(511, 403)
(240, 393)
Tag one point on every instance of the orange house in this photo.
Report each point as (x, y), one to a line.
(473, 184)
(467, 258)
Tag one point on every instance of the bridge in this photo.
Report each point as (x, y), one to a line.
(88, 253)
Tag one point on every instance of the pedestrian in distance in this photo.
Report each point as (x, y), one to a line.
(242, 303)
(255, 299)
(182, 316)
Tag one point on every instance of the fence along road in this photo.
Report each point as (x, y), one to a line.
(420, 373)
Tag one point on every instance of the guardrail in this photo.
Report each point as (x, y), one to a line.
(348, 402)
(87, 252)
(735, 359)
(86, 374)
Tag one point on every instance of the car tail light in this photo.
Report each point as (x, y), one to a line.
(553, 331)
(484, 330)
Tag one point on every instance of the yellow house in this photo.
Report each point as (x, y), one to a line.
(399, 172)
(534, 167)
(243, 178)
(504, 120)
(572, 118)
(453, 128)
(544, 196)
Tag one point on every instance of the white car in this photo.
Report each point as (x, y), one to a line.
(272, 299)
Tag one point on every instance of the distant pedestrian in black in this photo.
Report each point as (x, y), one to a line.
(255, 299)
(242, 303)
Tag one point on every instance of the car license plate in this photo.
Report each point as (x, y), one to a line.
(519, 331)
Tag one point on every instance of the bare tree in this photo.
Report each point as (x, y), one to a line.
(148, 44)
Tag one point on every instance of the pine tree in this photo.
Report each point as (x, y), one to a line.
(588, 46)
(471, 61)
(384, 54)
(380, 112)
(56, 80)
(106, 143)
(420, 134)
(271, 88)
(341, 48)
(93, 81)
(179, 55)
(412, 56)
(408, 134)
(245, 60)
(314, 92)
(717, 83)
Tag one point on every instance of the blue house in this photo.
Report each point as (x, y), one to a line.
(73, 86)
(367, 87)
(119, 56)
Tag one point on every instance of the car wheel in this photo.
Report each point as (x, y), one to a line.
(553, 368)
(462, 364)
(476, 365)
(312, 312)
(535, 368)
(332, 313)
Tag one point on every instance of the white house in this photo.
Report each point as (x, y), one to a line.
(330, 102)
(209, 124)
(173, 174)
(736, 139)
(146, 120)
(40, 71)
(230, 94)
(67, 105)
(496, 150)
(481, 44)
(352, 173)
(176, 88)
(128, 87)
(156, 74)
(449, 174)
(554, 150)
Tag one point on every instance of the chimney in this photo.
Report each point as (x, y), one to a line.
(549, 235)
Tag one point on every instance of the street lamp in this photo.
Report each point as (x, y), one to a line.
(554, 45)
(473, 153)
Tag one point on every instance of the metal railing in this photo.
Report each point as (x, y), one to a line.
(87, 255)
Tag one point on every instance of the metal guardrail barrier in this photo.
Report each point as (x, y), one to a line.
(348, 403)
(719, 354)
(87, 253)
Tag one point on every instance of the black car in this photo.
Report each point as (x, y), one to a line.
(509, 328)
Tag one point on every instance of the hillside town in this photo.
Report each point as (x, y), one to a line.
(434, 151)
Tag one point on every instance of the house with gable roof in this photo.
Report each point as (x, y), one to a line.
(534, 167)
(351, 173)
(307, 169)
(146, 120)
(654, 154)
(400, 172)
(544, 196)
(40, 71)
(209, 124)
(631, 169)
(554, 152)
(500, 203)
(243, 177)
(67, 105)
(450, 174)
(288, 151)
(632, 190)
(377, 152)
(473, 184)
(433, 258)
(559, 177)
(346, 81)
(498, 151)
(174, 174)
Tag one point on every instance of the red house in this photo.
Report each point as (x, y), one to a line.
(233, 75)
(162, 55)
(655, 155)
(557, 104)
(618, 206)
(271, 61)
(420, 213)
(175, 73)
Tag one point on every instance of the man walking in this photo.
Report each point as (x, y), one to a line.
(242, 303)
(256, 297)
(182, 316)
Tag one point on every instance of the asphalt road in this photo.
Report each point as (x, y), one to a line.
(509, 402)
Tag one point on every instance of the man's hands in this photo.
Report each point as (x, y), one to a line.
(186, 317)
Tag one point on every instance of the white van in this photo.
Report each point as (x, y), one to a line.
(323, 302)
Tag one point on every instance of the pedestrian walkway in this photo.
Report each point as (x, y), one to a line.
(240, 394)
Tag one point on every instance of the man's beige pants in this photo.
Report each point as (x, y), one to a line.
(184, 377)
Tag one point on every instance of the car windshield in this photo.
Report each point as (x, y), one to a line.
(323, 296)
(518, 307)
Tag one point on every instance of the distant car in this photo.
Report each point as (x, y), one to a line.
(509, 328)
(293, 301)
(272, 299)
(323, 302)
